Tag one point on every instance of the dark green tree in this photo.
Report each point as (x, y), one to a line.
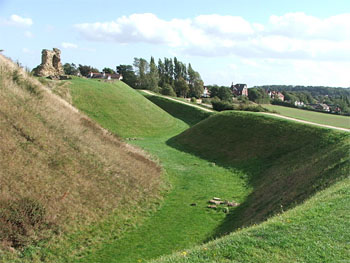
(85, 70)
(129, 76)
(141, 68)
(153, 76)
(108, 71)
(70, 69)
(168, 90)
(181, 87)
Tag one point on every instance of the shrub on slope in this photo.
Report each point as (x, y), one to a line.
(285, 162)
(59, 170)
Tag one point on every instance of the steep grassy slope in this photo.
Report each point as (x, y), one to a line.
(120, 109)
(285, 162)
(61, 173)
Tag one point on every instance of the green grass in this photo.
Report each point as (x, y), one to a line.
(317, 117)
(267, 164)
(120, 109)
(284, 162)
(316, 231)
(192, 180)
(186, 113)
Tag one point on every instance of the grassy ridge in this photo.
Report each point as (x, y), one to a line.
(61, 173)
(317, 117)
(285, 162)
(120, 109)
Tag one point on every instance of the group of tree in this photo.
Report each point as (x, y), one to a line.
(83, 70)
(169, 77)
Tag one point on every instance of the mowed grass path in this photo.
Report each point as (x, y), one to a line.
(176, 225)
(317, 117)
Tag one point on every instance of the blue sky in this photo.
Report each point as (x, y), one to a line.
(253, 41)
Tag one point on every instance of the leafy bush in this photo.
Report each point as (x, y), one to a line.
(206, 100)
(168, 90)
(220, 105)
(193, 99)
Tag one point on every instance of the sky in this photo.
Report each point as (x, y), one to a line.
(257, 42)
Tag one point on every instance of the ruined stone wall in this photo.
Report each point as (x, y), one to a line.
(51, 65)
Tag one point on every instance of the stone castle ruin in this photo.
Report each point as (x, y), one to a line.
(51, 65)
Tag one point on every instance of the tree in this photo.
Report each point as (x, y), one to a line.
(168, 90)
(108, 71)
(195, 82)
(85, 70)
(141, 68)
(129, 76)
(70, 69)
(225, 94)
(169, 71)
(181, 87)
(161, 74)
(153, 76)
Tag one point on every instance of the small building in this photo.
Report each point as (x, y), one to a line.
(323, 107)
(206, 93)
(275, 95)
(239, 89)
(299, 104)
(103, 75)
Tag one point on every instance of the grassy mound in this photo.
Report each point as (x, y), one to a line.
(285, 162)
(120, 109)
(60, 172)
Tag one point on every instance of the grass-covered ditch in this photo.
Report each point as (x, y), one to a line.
(267, 165)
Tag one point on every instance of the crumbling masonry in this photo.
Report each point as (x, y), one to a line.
(51, 65)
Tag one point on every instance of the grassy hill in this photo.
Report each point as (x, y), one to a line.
(285, 163)
(120, 109)
(63, 178)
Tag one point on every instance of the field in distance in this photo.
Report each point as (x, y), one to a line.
(317, 117)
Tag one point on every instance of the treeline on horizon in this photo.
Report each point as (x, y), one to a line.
(332, 96)
(169, 77)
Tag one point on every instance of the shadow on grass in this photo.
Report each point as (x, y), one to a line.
(186, 113)
(280, 180)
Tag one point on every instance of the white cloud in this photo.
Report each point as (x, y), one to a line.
(17, 20)
(68, 45)
(291, 36)
(26, 50)
(28, 34)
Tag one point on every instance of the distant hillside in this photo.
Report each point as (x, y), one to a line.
(336, 97)
(61, 172)
(120, 109)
